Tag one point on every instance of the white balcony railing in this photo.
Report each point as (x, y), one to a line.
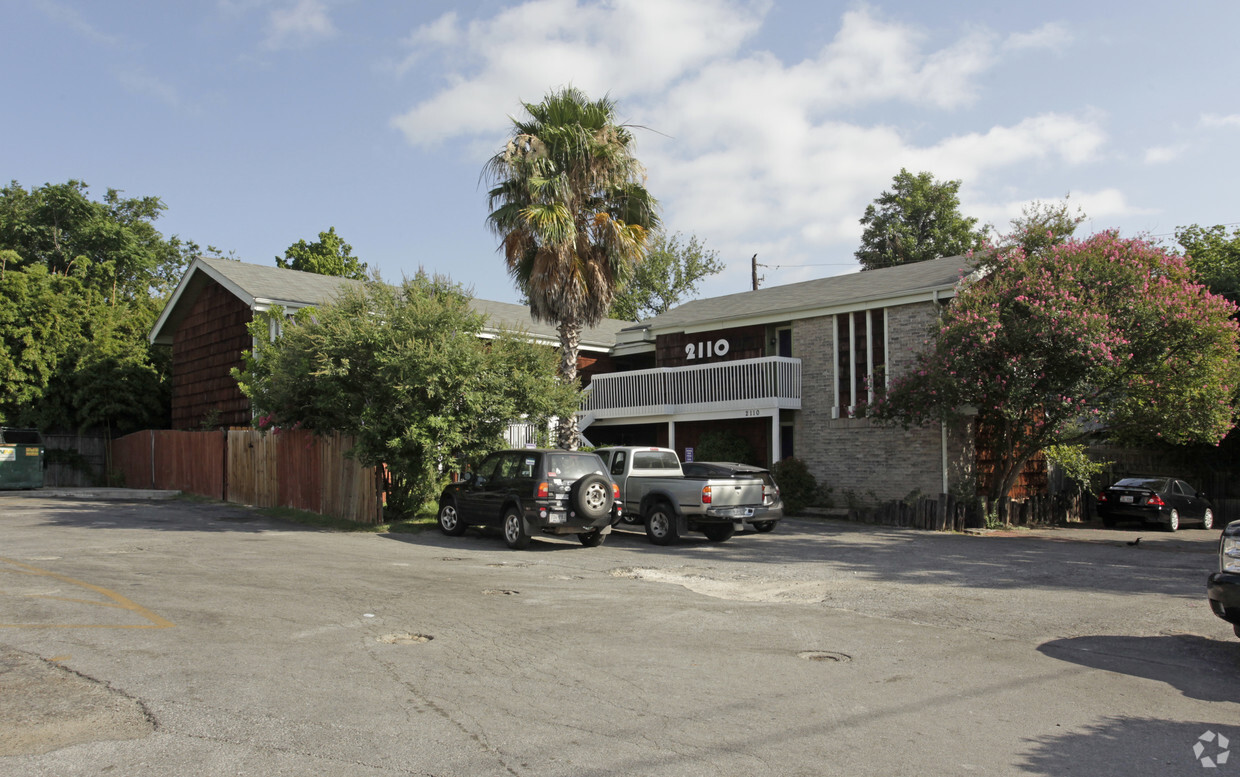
(746, 384)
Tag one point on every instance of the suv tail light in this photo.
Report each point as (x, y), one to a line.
(543, 490)
(705, 495)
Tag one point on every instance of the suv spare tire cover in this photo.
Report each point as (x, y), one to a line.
(585, 496)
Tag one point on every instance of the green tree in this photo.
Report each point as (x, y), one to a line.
(1042, 226)
(80, 285)
(1215, 256)
(670, 272)
(917, 220)
(110, 245)
(1102, 334)
(329, 255)
(569, 203)
(405, 371)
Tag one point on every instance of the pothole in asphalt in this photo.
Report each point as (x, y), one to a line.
(405, 639)
(499, 592)
(828, 656)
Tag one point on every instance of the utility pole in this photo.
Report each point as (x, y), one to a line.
(754, 265)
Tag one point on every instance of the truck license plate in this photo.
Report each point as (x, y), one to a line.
(737, 512)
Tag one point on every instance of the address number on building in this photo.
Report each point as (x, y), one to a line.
(706, 349)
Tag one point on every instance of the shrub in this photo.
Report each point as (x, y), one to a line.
(797, 485)
(723, 445)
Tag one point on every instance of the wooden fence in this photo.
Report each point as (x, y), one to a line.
(291, 469)
(74, 459)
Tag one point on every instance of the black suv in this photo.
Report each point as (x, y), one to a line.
(534, 491)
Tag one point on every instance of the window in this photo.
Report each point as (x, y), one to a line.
(617, 464)
(860, 357)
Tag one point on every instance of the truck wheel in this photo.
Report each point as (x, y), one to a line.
(450, 522)
(591, 496)
(764, 526)
(592, 539)
(661, 525)
(514, 530)
(719, 532)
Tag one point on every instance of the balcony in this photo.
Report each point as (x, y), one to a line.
(769, 383)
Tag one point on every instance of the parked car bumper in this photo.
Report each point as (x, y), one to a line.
(552, 518)
(1142, 513)
(1223, 591)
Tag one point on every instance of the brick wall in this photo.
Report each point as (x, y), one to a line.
(876, 463)
(205, 348)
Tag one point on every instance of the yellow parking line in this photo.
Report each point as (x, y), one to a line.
(117, 601)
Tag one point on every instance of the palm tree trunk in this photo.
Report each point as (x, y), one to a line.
(570, 344)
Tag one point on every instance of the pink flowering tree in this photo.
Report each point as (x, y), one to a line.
(1103, 335)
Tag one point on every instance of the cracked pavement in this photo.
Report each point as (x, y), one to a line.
(204, 639)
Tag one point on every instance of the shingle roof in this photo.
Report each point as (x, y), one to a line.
(809, 297)
(260, 286)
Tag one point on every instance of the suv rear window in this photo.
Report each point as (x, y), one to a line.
(574, 466)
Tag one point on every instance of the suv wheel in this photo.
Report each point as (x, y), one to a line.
(592, 539)
(514, 530)
(450, 522)
(661, 525)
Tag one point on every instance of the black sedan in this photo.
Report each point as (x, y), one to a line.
(1159, 500)
(1223, 588)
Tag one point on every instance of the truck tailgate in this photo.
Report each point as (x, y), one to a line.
(735, 492)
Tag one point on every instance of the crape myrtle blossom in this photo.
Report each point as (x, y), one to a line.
(1103, 335)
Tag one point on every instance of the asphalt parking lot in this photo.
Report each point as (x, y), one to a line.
(178, 638)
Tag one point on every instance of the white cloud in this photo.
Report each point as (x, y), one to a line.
(1158, 155)
(74, 20)
(303, 23)
(756, 153)
(139, 81)
(624, 48)
(1213, 121)
(1053, 36)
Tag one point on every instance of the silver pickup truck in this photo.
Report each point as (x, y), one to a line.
(653, 486)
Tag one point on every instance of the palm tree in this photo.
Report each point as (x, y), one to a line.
(569, 203)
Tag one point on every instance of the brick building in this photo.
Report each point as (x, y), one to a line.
(783, 368)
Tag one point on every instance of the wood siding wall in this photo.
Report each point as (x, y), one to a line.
(206, 347)
(746, 342)
(244, 466)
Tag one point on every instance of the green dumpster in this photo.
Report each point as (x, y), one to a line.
(21, 458)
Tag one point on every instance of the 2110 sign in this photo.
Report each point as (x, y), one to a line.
(706, 349)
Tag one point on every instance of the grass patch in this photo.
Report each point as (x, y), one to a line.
(307, 518)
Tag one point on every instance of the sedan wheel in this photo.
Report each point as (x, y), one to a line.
(1207, 520)
(514, 530)
(1173, 521)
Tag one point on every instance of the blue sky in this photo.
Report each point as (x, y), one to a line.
(771, 124)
